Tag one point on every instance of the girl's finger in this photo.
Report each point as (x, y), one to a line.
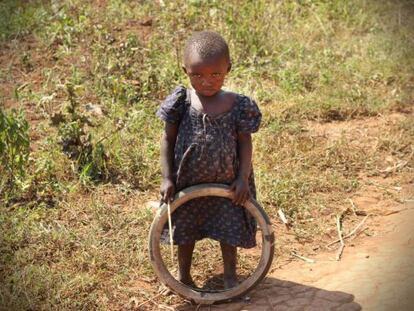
(236, 198)
(244, 198)
(240, 199)
(172, 196)
(241, 194)
(247, 196)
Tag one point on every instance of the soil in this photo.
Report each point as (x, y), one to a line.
(377, 274)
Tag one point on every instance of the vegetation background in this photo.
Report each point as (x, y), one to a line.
(80, 82)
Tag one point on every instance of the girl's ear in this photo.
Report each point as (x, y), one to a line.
(229, 67)
(185, 70)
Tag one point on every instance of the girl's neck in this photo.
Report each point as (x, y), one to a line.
(208, 98)
(216, 104)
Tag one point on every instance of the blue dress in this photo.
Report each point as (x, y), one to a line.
(206, 152)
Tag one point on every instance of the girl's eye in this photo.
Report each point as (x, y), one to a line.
(216, 75)
(196, 75)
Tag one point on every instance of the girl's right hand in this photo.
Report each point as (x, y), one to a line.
(167, 190)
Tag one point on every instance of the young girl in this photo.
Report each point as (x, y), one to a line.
(207, 139)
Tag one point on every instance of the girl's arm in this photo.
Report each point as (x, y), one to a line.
(241, 184)
(167, 158)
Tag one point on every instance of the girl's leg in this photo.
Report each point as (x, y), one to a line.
(229, 254)
(185, 255)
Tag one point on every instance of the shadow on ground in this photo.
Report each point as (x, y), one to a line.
(279, 295)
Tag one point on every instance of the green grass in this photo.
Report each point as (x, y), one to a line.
(68, 257)
(72, 236)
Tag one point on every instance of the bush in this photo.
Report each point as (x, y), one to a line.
(14, 152)
(77, 142)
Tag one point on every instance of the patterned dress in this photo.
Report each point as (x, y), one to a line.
(206, 152)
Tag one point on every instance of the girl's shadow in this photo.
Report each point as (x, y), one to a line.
(216, 282)
(279, 295)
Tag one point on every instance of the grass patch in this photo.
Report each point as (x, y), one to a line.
(75, 235)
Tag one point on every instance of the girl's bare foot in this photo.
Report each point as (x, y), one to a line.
(187, 281)
(230, 281)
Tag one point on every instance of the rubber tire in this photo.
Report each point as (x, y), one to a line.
(205, 297)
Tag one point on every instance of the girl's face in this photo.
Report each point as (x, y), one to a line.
(207, 76)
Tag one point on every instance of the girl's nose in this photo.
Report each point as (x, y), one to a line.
(206, 82)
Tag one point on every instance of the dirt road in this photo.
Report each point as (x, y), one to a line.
(377, 274)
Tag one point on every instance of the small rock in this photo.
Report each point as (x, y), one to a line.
(147, 22)
(246, 299)
(94, 109)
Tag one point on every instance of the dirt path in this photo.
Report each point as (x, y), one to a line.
(377, 274)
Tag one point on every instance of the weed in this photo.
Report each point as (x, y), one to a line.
(77, 144)
(19, 19)
(14, 152)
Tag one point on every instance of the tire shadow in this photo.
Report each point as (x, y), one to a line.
(280, 295)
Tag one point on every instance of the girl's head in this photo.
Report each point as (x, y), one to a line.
(206, 62)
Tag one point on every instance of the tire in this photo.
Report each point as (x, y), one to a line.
(206, 297)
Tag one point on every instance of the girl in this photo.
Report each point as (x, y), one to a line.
(207, 139)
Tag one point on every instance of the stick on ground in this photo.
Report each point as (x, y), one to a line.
(303, 258)
(148, 300)
(338, 227)
(283, 217)
(355, 210)
(353, 206)
(351, 233)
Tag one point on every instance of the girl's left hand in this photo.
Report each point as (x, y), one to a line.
(241, 191)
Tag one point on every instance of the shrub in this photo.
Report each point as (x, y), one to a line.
(77, 142)
(14, 152)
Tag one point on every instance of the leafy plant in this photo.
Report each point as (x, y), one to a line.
(14, 151)
(77, 142)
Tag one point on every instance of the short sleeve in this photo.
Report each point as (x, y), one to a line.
(172, 108)
(249, 117)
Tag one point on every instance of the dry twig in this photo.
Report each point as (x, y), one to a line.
(160, 306)
(395, 212)
(283, 218)
(356, 211)
(338, 227)
(394, 168)
(350, 233)
(353, 206)
(149, 300)
(303, 258)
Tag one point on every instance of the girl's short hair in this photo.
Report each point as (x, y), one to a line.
(206, 44)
